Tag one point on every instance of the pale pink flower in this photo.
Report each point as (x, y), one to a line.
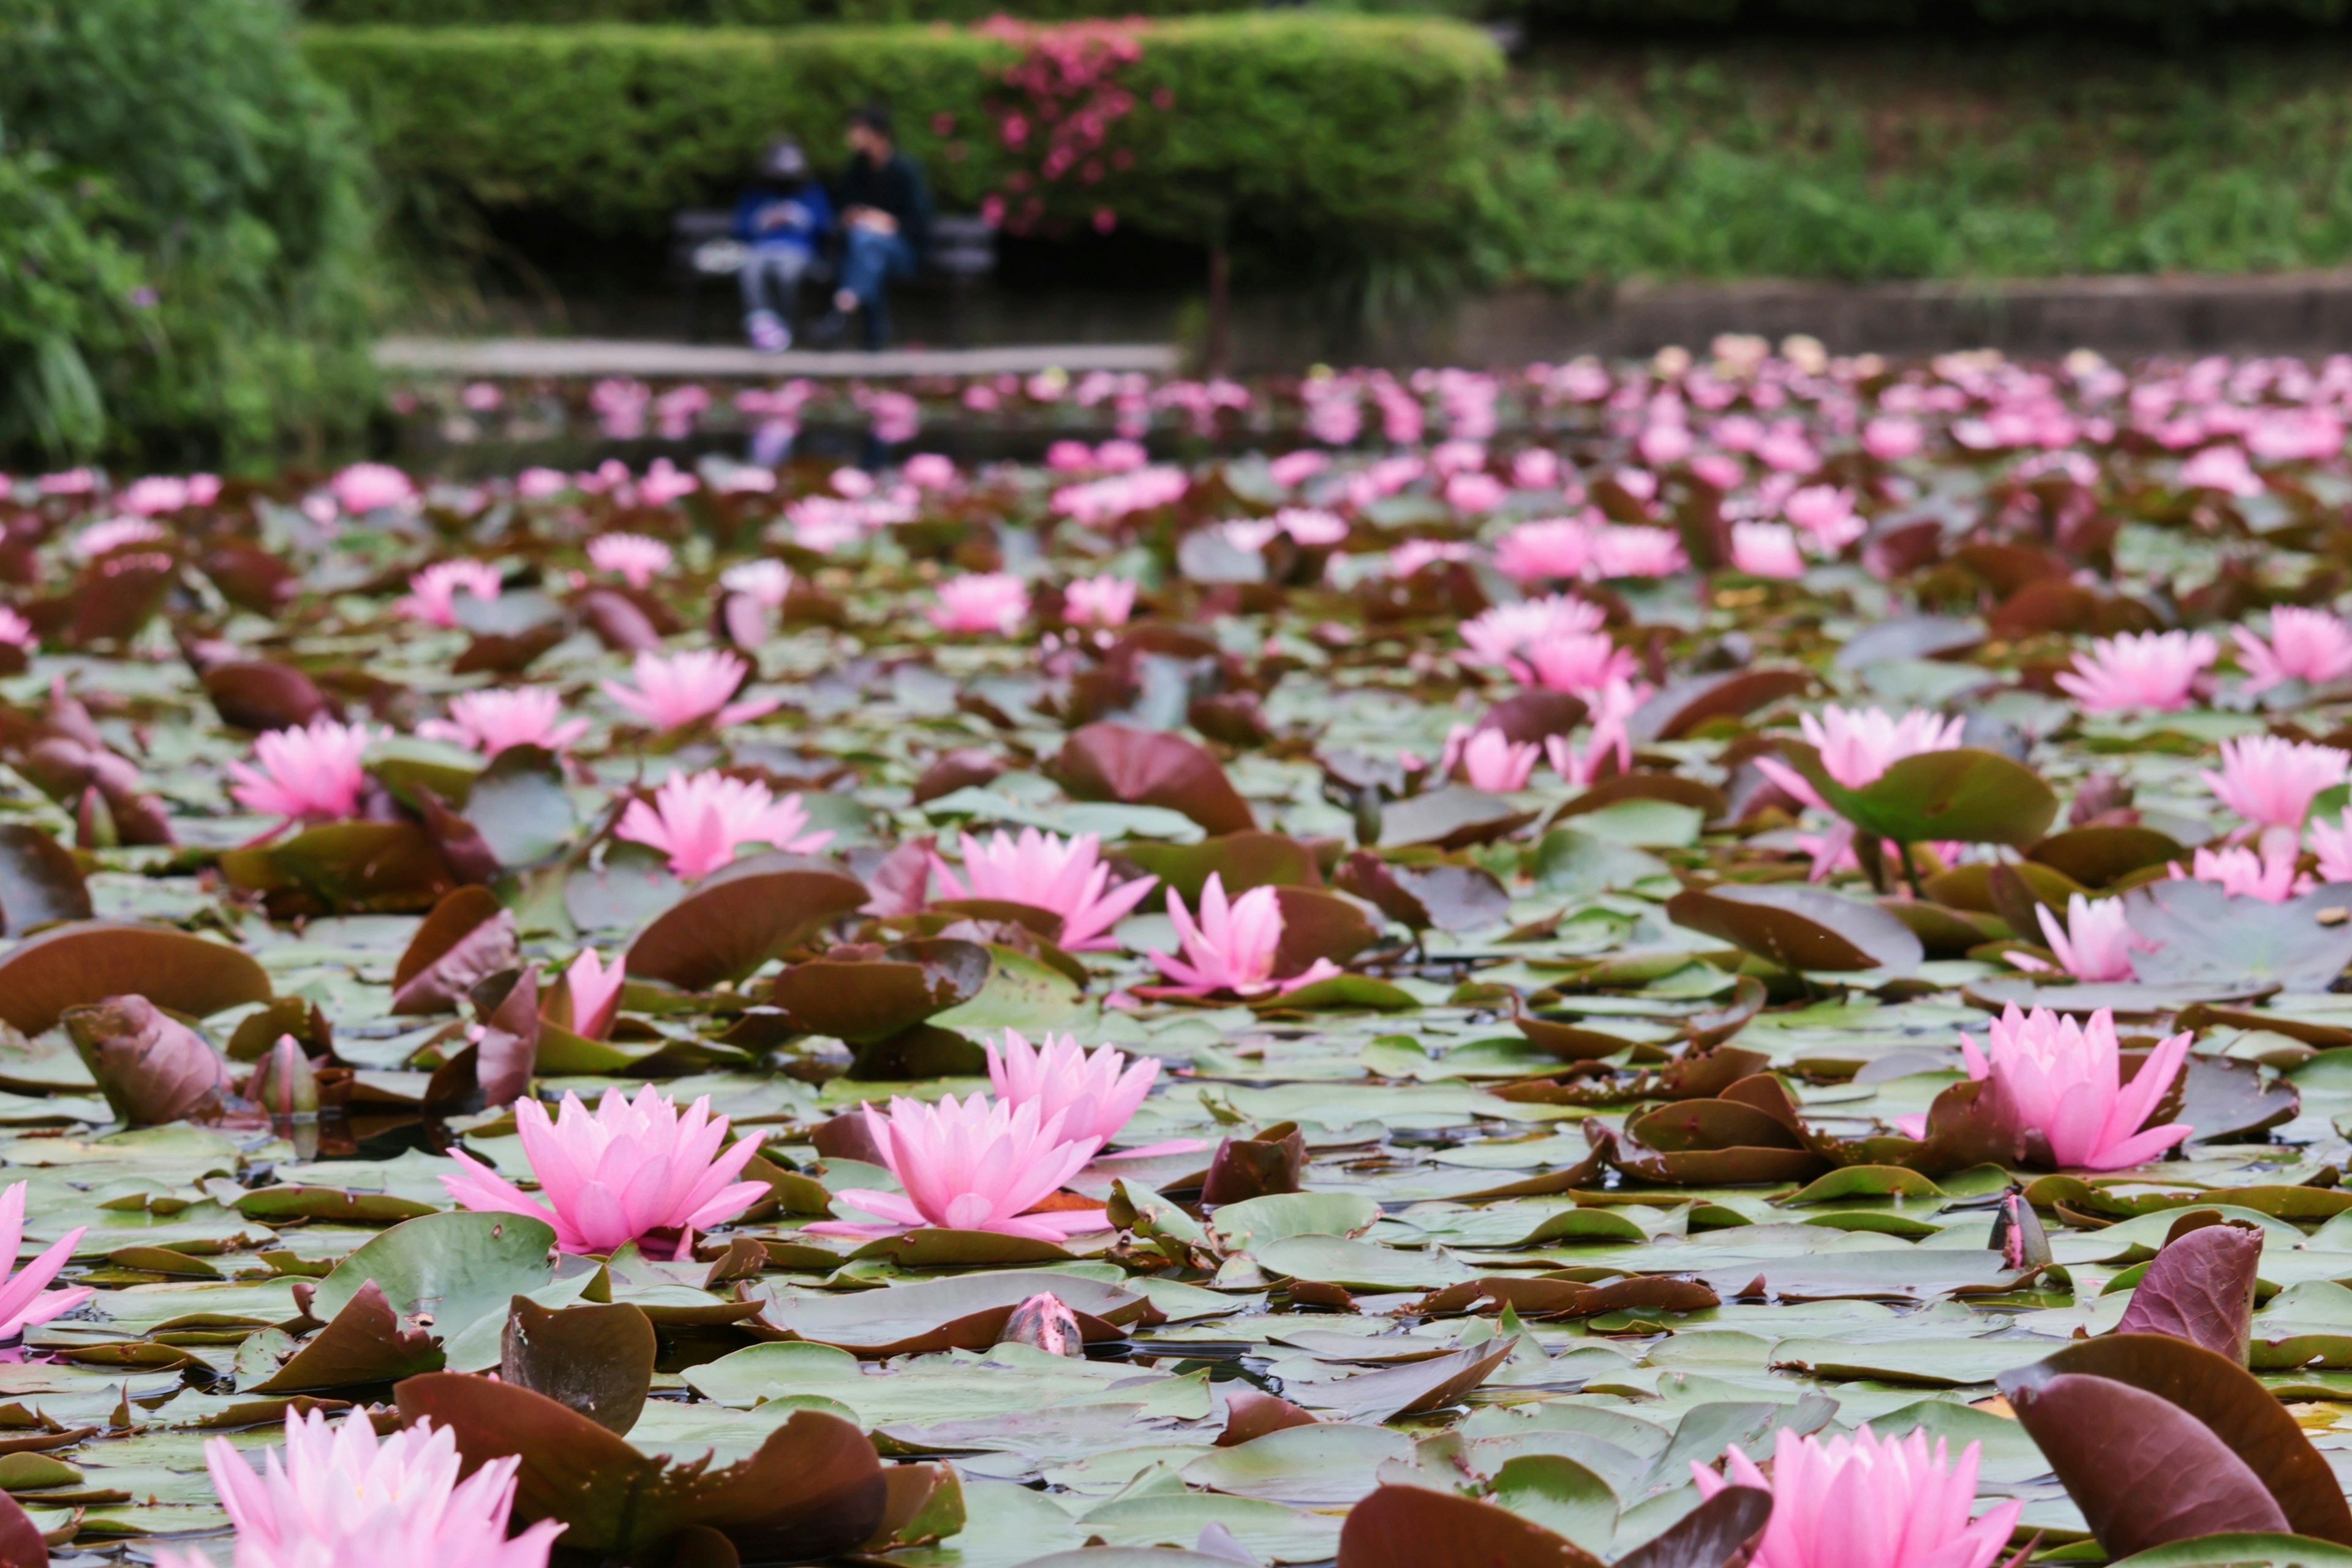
(2096, 940)
(1611, 708)
(1104, 601)
(159, 493)
(490, 722)
(2156, 670)
(2312, 646)
(1488, 758)
(1311, 527)
(1766, 550)
(768, 582)
(1586, 662)
(2061, 1080)
(2242, 873)
(699, 819)
(980, 602)
(116, 533)
(1474, 493)
(633, 557)
(1094, 1092)
(1825, 513)
(1891, 437)
(341, 1495)
(929, 471)
(1555, 548)
(1629, 549)
(1233, 948)
(976, 1165)
(26, 1300)
(1498, 636)
(1295, 468)
(1861, 1502)
(1415, 553)
(675, 690)
(2334, 843)
(2224, 468)
(594, 987)
(365, 487)
(15, 631)
(1046, 871)
(1858, 745)
(433, 593)
(633, 1169)
(310, 774)
(2272, 782)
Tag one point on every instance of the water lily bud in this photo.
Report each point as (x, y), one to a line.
(151, 1068)
(1045, 1322)
(283, 1082)
(2017, 1233)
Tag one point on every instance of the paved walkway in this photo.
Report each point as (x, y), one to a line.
(501, 357)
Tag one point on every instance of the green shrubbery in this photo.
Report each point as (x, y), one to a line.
(1356, 133)
(184, 224)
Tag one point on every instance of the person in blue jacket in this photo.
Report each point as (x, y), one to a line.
(783, 216)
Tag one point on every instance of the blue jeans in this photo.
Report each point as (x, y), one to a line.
(869, 262)
(771, 280)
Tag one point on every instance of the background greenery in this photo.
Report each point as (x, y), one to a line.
(185, 227)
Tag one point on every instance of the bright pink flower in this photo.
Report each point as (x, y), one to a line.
(15, 631)
(1498, 636)
(1233, 948)
(1094, 1092)
(2312, 646)
(1891, 437)
(1104, 601)
(2242, 873)
(635, 557)
(2139, 669)
(490, 722)
(2224, 468)
(1611, 708)
(1558, 548)
(594, 988)
(116, 533)
(768, 582)
(980, 602)
(699, 819)
(365, 487)
(1629, 549)
(2096, 940)
(2334, 843)
(675, 690)
(1046, 871)
(1586, 662)
(1766, 550)
(1861, 1502)
(2060, 1080)
(1295, 468)
(2272, 782)
(977, 1165)
(433, 593)
(341, 1495)
(26, 1300)
(1825, 513)
(632, 1169)
(1488, 758)
(1858, 745)
(929, 471)
(1415, 553)
(311, 775)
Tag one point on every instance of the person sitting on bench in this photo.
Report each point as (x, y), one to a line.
(885, 209)
(783, 216)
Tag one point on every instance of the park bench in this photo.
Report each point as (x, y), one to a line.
(703, 250)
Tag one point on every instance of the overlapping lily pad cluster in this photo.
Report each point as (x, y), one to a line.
(1604, 965)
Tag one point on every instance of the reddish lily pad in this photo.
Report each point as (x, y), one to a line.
(741, 917)
(1148, 767)
(469, 936)
(1799, 928)
(90, 961)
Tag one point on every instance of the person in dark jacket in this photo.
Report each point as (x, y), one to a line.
(783, 216)
(885, 214)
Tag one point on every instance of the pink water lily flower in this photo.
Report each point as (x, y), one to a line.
(2242, 873)
(365, 487)
(980, 1164)
(1857, 745)
(981, 602)
(2154, 671)
(2057, 1082)
(342, 1495)
(1233, 948)
(1766, 550)
(593, 989)
(1046, 871)
(26, 1300)
(490, 722)
(1584, 663)
(310, 774)
(116, 533)
(1496, 636)
(676, 690)
(2096, 940)
(1095, 1092)
(630, 1170)
(1608, 741)
(433, 593)
(1558, 547)
(769, 582)
(2312, 646)
(1866, 1502)
(1488, 758)
(15, 631)
(635, 558)
(2272, 782)
(2333, 841)
(1105, 601)
(699, 819)
(1632, 550)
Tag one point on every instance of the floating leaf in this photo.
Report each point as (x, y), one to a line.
(89, 961)
(1148, 767)
(741, 917)
(1800, 927)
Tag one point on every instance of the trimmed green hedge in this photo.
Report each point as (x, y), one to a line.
(732, 12)
(1358, 132)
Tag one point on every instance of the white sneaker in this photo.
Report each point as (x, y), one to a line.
(767, 331)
